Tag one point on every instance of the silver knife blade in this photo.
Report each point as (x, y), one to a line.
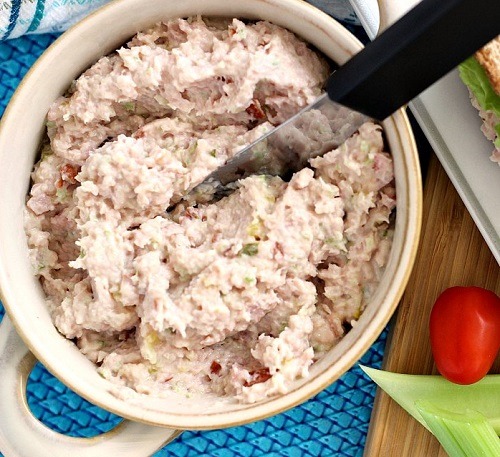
(313, 131)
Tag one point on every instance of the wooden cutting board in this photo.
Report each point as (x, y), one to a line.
(452, 252)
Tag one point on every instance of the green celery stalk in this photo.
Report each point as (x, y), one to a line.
(461, 435)
(407, 390)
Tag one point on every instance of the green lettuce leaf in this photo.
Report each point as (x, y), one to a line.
(474, 76)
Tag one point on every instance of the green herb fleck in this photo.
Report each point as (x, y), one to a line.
(117, 296)
(162, 101)
(61, 195)
(129, 106)
(193, 147)
(256, 228)
(213, 153)
(250, 249)
(260, 150)
(335, 243)
(46, 152)
(364, 146)
(50, 124)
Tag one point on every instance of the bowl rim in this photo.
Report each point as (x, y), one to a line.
(402, 129)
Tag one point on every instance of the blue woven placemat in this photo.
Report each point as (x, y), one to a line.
(334, 423)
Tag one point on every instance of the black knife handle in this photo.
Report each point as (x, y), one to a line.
(412, 54)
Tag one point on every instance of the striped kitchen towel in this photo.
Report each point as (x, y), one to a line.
(19, 17)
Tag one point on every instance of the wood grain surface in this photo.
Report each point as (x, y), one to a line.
(452, 252)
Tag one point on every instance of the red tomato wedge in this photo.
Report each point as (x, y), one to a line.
(465, 333)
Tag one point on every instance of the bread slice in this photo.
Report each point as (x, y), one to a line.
(489, 58)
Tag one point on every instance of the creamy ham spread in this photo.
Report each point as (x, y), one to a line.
(237, 297)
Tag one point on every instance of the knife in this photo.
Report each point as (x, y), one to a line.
(421, 47)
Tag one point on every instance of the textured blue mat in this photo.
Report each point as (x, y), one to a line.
(334, 423)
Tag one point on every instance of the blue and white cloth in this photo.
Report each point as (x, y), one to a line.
(20, 17)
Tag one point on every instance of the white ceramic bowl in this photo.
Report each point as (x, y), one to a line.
(20, 133)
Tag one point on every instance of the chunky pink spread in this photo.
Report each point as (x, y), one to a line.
(233, 298)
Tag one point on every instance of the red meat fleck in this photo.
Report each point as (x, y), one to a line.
(215, 367)
(258, 376)
(68, 173)
(255, 110)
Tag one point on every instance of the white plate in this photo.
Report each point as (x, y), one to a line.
(452, 127)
